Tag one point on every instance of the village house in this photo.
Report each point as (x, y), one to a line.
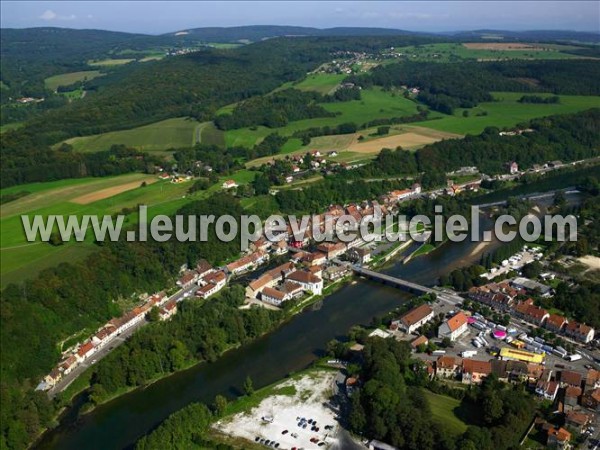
(248, 262)
(103, 336)
(592, 380)
(578, 420)
(229, 184)
(558, 438)
(85, 351)
(421, 340)
(52, 378)
(547, 389)
(188, 278)
(269, 279)
(580, 332)
(280, 248)
(307, 280)
(570, 378)
(291, 288)
(531, 313)
(332, 250)
(314, 259)
(334, 272)
(591, 399)
(68, 364)
(474, 371)
(203, 267)
(447, 367)
(168, 310)
(555, 323)
(413, 319)
(273, 296)
(211, 284)
(513, 168)
(316, 271)
(453, 327)
(360, 255)
(572, 395)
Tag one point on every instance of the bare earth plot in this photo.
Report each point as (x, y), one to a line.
(109, 192)
(284, 412)
(413, 138)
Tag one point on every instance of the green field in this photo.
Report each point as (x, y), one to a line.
(375, 104)
(322, 83)
(111, 62)
(446, 411)
(22, 260)
(66, 79)
(506, 111)
(156, 137)
(456, 52)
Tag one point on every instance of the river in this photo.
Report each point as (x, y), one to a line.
(292, 347)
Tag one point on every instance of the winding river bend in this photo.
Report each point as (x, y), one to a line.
(292, 347)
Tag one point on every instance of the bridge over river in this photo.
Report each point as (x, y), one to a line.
(446, 295)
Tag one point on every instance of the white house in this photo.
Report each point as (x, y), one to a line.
(307, 280)
(414, 319)
(453, 327)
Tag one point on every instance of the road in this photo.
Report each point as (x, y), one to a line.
(111, 345)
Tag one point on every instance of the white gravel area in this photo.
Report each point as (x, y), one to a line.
(278, 413)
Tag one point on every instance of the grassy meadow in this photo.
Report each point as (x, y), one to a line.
(156, 137)
(66, 79)
(375, 104)
(22, 259)
(447, 412)
(506, 111)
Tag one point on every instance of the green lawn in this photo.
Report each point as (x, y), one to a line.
(66, 79)
(323, 83)
(444, 411)
(159, 136)
(506, 111)
(375, 104)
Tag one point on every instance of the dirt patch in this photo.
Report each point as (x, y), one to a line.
(279, 418)
(592, 262)
(408, 140)
(503, 46)
(110, 192)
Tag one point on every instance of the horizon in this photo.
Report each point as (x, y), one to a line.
(155, 18)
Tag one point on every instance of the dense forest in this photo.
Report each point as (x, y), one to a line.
(49, 309)
(445, 87)
(281, 107)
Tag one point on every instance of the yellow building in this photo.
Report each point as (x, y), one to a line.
(521, 355)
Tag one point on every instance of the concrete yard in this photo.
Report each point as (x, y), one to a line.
(277, 417)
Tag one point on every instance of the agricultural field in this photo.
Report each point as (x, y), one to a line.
(111, 62)
(323, 83)
(352, 150)
(66, 79)
(375, 104)
(98, 196)
(482, 51)
(506, 111)
(156, 137)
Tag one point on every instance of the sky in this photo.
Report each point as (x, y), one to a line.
(162, 17)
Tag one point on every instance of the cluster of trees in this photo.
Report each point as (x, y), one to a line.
(449, 86)
(198, 332)
(390, 406)
(49, 309)
(539, 99)
(274, 110)
(34, 164)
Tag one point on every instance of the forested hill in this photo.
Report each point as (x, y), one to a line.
(256, 33)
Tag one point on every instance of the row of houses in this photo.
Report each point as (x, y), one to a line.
(503, 297)
(106, 334)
